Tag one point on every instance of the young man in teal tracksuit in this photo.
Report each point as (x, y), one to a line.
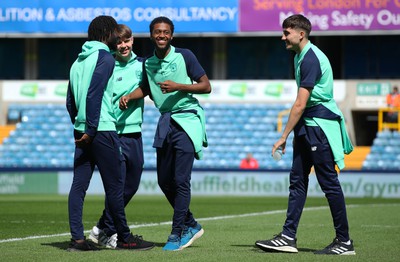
(127, 76)
(89, 103)
(320, 140)
(168, 78)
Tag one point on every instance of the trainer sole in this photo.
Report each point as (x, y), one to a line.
(196, 236)
(347, 253)
(71, 249)
(286, 249)
(94, 239)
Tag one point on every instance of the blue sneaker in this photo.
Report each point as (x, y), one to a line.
(173, 243)
(190, 234)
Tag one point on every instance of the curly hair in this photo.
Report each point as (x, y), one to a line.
(162, 19)
(102, 28)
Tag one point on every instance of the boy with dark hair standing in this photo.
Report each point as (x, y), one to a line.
(168, 77)
(89, 104)
(320, 140)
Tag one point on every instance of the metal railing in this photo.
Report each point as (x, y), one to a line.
(280, 121)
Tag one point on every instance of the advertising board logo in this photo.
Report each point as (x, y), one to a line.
(61, 90)
(238, 89)
(29, 90)
(274, 89)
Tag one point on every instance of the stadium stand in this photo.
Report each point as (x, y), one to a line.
(5, 131)
(385, 152)
(40, 136)
(355, 160)
(43, 136)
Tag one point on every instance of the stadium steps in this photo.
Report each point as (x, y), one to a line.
(5, 131)
(355, 160)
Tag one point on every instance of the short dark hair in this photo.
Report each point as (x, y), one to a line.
(162, 19)
(101, 28)
(298, 21)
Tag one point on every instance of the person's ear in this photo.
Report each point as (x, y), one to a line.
(302, 34)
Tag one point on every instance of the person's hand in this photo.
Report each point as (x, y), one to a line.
(168, 86)
(83, 141)
(280, 143)
(123, 102)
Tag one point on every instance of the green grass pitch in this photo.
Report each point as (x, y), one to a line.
(35, 228)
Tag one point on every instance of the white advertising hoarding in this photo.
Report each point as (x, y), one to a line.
(263, 183)
(274, 91)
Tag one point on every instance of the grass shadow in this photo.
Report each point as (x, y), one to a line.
(159, 244)
(60, 245)
(65, 244)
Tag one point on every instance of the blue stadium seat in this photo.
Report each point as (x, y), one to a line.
(385, 152)
(44, 136)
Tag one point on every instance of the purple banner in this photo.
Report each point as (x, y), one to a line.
(325, 15)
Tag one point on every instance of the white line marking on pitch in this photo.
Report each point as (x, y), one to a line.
(199, 219)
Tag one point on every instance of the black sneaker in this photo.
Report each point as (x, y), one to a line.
(135, 242)
(82, 246)
(337, 248)
(278, 243)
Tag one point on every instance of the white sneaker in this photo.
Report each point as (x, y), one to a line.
(108, 242)
(94, 234)
(99, 237)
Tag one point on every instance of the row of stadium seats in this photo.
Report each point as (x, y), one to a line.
(385, 152)
(44, 136)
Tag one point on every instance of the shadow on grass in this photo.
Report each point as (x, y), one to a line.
(159, 244)
(60, 245)
(65, 244)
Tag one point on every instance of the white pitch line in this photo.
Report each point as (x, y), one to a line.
(199, 219)
(160, 224)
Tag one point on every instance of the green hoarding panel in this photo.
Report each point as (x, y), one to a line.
(28, 183)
